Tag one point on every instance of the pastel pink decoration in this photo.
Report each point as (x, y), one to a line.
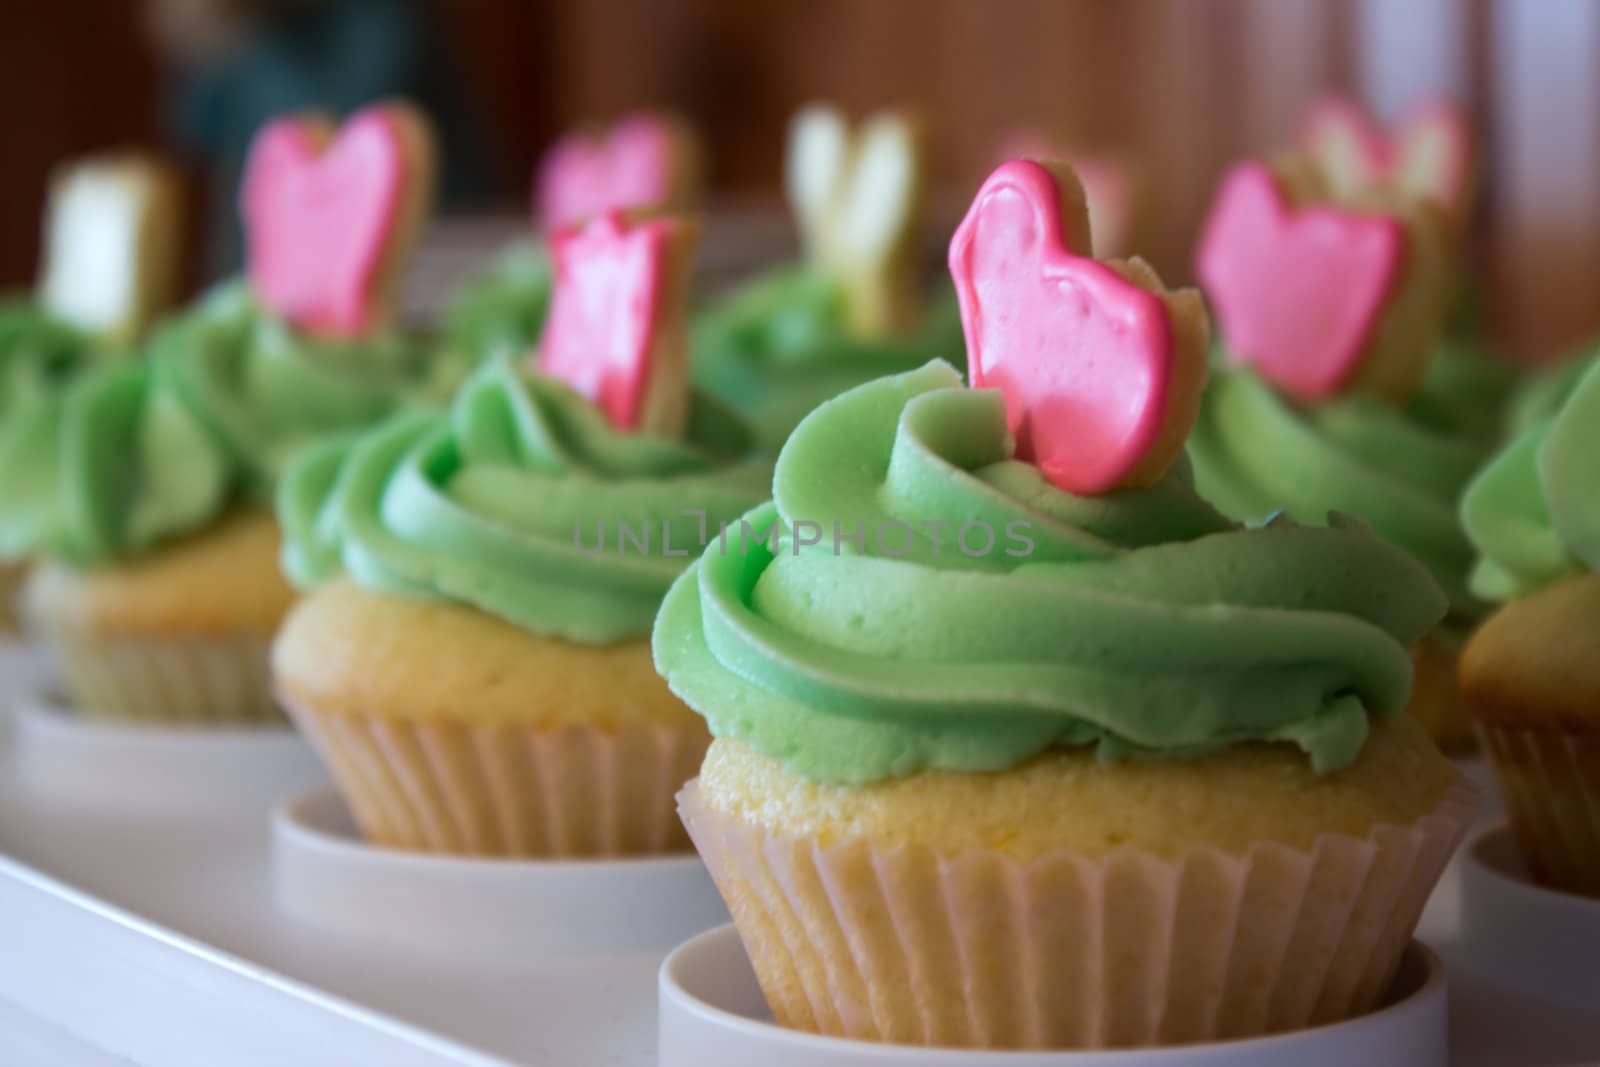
(610, 299)
(319, 218)
(1296, 293)
(1108, 186)
(584, 175)
(1429, 154)
(1083, 357)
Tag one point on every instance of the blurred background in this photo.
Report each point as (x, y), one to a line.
(1181, 86)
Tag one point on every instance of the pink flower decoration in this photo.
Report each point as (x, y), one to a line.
(1084, 358)
(640, 163)
(323, 221)
(615, 327)
(1297, 293)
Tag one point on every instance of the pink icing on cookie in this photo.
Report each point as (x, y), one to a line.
(1296, 293)
(1108, 186)
(608, 302)
(1429, 154)
(585, 175)
(319, 219)
(1083, 358)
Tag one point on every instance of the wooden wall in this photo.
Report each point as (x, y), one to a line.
(1185, 85)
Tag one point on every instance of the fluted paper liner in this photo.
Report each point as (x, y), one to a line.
(1550, 778)
(508, 789)
(1070, 951)
(179, 681)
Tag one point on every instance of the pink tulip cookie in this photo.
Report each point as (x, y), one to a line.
(645, 162)
(1111, 186)
(330, 218)
(1101, 366)
(1317, 296)
(617, 327)
(1430, 155)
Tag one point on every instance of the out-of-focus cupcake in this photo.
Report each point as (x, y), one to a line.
(144, 487)
(1038, 749)
(1334, 392)
(852, 310)
(1530, 675)
(112, 230)
(473, 663)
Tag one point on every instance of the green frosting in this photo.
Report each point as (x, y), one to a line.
(1534, 511)
(40, 354)
(502, 309)
(523, 501)
(134, 454)
(776, 347)
(1542, 393)
(1464, 393)
(1402, 471)
(1141, 621)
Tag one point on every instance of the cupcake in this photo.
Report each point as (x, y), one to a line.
(111, 237)
(1038, 749)
(1529, 675)
(1334, 392)
(472, 660)
(783, 342)
(145, 487)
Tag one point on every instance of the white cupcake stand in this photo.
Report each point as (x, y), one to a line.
(201, 898)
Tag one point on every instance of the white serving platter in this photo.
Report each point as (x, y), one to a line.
(259, 930)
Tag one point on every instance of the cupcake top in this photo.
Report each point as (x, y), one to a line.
(851, 311)
(112, 227)
(963, 578)
(136, 453)
(1331, 285)
(1533, 512)
(523, 501)
(564, 499)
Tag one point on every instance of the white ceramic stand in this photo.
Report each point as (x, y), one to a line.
(78, 760)
(712, 1015)
(1538, 940)
(497, 909)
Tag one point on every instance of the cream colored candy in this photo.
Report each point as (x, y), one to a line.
(857, 196)
(112, 238)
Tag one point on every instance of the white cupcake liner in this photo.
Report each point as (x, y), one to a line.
(508, 789)
(1550, 779)
(1068, 951)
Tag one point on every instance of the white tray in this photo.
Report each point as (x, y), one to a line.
(154, 933)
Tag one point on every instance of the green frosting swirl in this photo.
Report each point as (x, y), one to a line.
(516, 501)
(502, 308)
(40, 354)
(1139, 621)
(1541, 394)
(1255, 453)
(777, 346)
(130, 456)
(1533, 512)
